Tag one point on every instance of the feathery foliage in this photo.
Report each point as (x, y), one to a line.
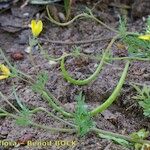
(82, 117)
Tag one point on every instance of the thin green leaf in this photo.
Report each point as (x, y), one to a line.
(41, 82)
(116, 140)
(23, 107)
(24, 118)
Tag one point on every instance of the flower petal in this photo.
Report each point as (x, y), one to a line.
(33, 24)
(35, 31)
(145, 37)
(33, 27)
(37, 27)
(40, 26)
(3, 77)
(5, 70)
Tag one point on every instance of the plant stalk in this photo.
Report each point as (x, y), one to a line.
(94, 75)
(114, 95)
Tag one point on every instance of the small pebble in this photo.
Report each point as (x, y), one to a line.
(52, 63)
(88, 50)
(61, 16)
(28, 49)
(26, 15)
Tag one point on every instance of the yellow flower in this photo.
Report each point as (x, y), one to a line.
(145, 37)
(4, 72)
(37, 27)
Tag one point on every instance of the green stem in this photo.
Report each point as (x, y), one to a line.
(10, 104)
(93, 76)
(85, 81)
(132, 33)
(62, 24)
(52, 129)
(56, 107)
(46, 56)
(2, 110)
(37, 125)
(52, 115)
(47, 95)
(56, 102)
(67, 6)
(40, 2)
(85, 15)
(115, 58)
(3, 115)
(131, 58)
(5, 59)
(13, 68)
(32, 60)
(125, 137)
(54, 99)
(114, 95)
(106, 26)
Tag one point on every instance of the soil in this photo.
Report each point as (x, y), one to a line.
(124, 116)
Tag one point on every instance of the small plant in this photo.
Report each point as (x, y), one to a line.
(82, 116)
(147, 32)
(143, 97)
(39, 85)
(67, 6)
(138, 45)
(140, 135)
(82, 125)
(36, 28)
(117, 140)
(24, 114)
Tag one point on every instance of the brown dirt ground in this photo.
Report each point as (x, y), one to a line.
(126, 120)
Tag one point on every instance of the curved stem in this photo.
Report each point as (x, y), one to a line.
(131, 58)
(75, 42)
(62, 24)
(85, 15)
(47, 95)
(114, 95)
(125, 137)
(52, 115)
(13, 68)
(52, 129)
(115, 58)
(94, 75)
(54, 99)
(106, 26)
(56, 107)
(85, 81)
(52, 58)
(41, 2)
(5, 113)
(54, 102)
(9, 103)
